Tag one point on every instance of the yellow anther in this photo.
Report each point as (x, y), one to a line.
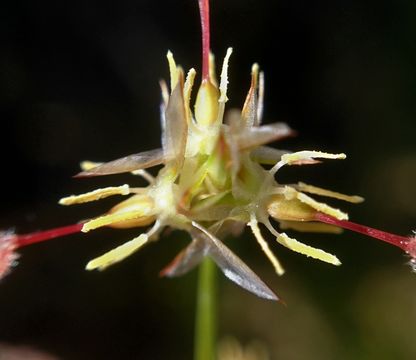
(306, 155)
(307, 250)
(117, 254)
(328, 193)
(187, 89)
(224, 77)
(95, 195)
(326, 209)
(300, 156)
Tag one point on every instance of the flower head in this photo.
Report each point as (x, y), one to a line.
(217, 176)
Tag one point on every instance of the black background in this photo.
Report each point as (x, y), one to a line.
(79, 80)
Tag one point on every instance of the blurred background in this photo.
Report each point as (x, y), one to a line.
(79, 80)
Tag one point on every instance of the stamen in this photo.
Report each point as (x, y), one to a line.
(324, 208)
(302, 156)
(328, 193)
(204, 13)
(118, 254)
(302, 248)
(307, 250)
(95, 195)
(125, 250)
(187, 89)
(224, 77)
(308, 154)
(264, 246)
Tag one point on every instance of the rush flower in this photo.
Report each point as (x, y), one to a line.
(217, 176)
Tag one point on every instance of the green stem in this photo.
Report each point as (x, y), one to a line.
(206, 311)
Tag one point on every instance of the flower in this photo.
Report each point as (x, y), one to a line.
(212, 183)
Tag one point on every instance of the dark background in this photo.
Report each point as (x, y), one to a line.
(79, 80)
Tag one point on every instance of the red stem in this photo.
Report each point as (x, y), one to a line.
(32, 238)
(397, 240)
(204, 13)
